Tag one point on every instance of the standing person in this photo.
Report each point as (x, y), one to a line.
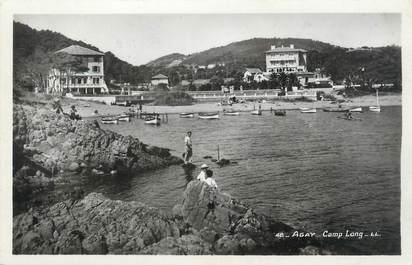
(212, 194)
(188, 147)
(202, 174)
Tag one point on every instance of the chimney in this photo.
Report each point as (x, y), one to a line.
(272, 47)
(292, 46)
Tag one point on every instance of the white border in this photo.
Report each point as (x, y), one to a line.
(9, 8)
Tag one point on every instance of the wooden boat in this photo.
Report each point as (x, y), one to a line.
(209, 116)
(376, 108)
(358, 109)
(109, 120)
(256, 112)
(231, 113)
(308, 110)
(280, 113)
(152, 121)
(123, 117)
(187, 115)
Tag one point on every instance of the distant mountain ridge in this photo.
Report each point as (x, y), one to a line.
(382, 64)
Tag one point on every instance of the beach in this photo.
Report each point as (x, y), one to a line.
(88, 108)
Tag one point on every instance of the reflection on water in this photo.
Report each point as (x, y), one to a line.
(312, 171)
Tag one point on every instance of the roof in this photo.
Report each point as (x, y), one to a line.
(285, 49)
(159, 76)
(253, 70)
(79, 50)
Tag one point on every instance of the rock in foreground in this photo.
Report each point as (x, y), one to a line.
(97, 225)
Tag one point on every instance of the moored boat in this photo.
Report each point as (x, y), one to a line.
(376, 108)
(187, 115)
(280, 113)
(308, 110)
(109, 120)
(123, 117)
(152, 121)
(335, 109)
(231, 113)
(358, 109)
(256, 112)
(209, 116)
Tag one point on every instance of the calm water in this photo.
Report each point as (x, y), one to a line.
(312, 171)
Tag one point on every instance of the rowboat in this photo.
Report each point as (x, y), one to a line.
(109, 120)
(376, 108)
(308, 110)
(152, 121)
(124, 117)
(256, 112)
(358, 109)
(231, 113)
(280, 113)
(208, 116)
(187, 115)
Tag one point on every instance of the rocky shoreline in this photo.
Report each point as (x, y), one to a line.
(47, 146)
(97, 225)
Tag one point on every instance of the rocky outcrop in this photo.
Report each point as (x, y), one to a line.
(237, 228)
(97, 225)
(63, 144)
(53, 144)
(93, 225)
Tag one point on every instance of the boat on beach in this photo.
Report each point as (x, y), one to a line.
(308, 110)
(208, 116)
(109, 120)
(256, 112)
(187, 115)
(152, 121)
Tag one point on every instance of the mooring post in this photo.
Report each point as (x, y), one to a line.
(218, 153)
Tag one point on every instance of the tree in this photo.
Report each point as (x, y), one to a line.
(34, 69)
(283, 79)
(293, 81)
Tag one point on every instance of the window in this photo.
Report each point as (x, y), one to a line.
(63, 81)
(97, 59)
(79, 81)
(96, 80)
(96, 69)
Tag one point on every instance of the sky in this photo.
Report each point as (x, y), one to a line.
(140, 38)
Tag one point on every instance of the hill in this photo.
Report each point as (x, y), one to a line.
(166, 60)
(381, 63)
(29, 43)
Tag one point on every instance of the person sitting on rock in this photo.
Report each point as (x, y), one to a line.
(202, 174)
(209, 180)
(73, 114)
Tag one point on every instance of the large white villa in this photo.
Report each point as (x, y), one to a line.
(88, 82)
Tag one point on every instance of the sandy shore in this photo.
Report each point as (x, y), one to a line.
(87, 108)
